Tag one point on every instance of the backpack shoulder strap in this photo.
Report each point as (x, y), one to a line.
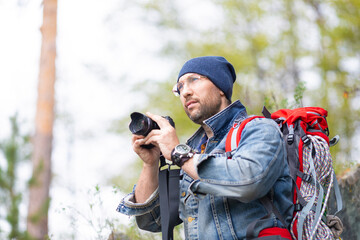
(232, 142)
(234, 136)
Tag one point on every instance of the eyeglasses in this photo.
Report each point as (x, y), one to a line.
(191, 80)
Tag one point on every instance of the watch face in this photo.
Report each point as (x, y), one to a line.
(183, 149)
(181, 154)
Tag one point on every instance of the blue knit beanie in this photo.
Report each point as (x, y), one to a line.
(215, 68)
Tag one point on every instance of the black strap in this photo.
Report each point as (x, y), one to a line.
(164, 201)
(270, 209)
(266, 112)
(250, 231)
(300, 198)
(293, 161)
(169, 198)
(305, 177)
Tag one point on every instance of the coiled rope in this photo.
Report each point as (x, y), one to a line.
(322, 163)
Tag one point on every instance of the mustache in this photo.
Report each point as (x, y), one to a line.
(190, 100)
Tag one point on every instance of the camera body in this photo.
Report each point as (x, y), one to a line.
(143, 125)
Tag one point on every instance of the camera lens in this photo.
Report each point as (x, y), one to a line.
(140, 124)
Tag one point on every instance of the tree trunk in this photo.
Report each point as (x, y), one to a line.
(39, 200)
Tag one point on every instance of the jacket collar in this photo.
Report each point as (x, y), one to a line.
(220, 123)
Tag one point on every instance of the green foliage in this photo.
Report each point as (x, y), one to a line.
(15, 150)
(299, 94)
(272, 44)
(134, 233)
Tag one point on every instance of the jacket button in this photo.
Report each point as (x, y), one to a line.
(190, 219)
(183, 194)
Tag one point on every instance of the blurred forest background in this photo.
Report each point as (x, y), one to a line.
(286, 53)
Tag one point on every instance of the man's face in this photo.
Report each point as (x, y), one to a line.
(200, 98)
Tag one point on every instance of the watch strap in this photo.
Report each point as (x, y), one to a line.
(181, 160)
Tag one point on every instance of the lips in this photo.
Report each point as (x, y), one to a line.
(190, 103)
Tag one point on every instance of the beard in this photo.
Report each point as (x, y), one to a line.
(208, 107)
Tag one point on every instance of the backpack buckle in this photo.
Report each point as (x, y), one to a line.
(306, 140)
(307, 178)
(334, 140)
(290, 139)
(297, 207)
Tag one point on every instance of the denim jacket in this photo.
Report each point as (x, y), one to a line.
(225, 200)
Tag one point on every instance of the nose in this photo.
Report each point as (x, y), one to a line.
(187, 90)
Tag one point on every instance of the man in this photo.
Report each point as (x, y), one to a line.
(220, 197)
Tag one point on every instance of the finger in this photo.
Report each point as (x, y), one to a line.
(153, 132)
(152, 140)
(162, 122)
(138, 142)
(136, 137)
(152, 137)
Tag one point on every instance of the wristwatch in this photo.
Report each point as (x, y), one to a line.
(181, 153)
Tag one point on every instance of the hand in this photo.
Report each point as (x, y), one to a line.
(151, 156)
(164, 138)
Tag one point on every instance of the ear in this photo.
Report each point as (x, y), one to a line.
(222, 93)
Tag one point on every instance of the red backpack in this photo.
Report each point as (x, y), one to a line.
(305, 132)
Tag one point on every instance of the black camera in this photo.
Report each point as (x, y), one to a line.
(143, 125)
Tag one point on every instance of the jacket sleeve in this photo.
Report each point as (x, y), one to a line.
(256, 164)
(147, 214)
